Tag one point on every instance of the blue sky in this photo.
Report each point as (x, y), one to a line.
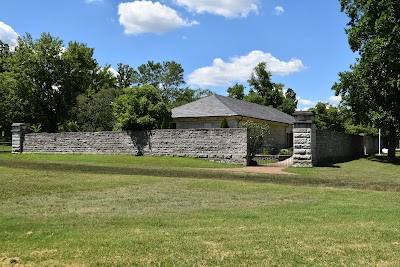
(218, 42)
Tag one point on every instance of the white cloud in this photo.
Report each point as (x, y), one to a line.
(306, 102)
(239, 69)
(335, 100)
(8, 35)
(145, 16)
(113, 72)
(226, 8)
(278, 10)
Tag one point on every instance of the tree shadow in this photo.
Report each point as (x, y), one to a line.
(332, 163)
(384, 159)
(141, 140)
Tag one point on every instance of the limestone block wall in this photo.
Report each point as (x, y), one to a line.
(220, 145)
(335, 145)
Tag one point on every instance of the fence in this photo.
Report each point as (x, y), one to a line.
(273, 160)
(5, 146)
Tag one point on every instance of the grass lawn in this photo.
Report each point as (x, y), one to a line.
(152, 211)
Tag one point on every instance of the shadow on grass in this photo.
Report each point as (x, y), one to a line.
(384, 159)
(332, 163)
(295, 180)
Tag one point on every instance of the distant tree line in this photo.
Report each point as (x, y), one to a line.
(63, 88)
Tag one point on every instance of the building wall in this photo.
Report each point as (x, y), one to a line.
(220, 145)
(278, 138)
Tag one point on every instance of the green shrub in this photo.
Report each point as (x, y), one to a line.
(224, 123)
(286, 152)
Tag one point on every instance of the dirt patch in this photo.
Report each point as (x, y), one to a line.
(259, 169)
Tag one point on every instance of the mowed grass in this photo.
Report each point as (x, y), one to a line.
(151, 211)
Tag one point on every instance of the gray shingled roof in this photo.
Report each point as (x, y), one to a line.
(222, 106)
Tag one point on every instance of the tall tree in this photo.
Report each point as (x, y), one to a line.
(289, 103)
(260, 82)
(49, 77)
(166, 76)
(265, 92)
(126, 76)
(372, 87)
(236, 91)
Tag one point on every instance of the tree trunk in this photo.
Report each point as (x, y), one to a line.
(392, 143)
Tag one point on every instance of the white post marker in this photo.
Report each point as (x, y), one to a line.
(379, 141)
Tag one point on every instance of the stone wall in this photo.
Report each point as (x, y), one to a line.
(220, 145)
(278, 131)
(335, 145)
(313, 146)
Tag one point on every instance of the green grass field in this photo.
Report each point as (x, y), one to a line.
(65, 210)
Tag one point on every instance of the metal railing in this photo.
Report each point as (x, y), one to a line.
(5, 147)
(274, 160)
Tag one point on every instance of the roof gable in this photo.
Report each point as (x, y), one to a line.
(222, 106)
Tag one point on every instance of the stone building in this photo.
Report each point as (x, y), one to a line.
(209, 112)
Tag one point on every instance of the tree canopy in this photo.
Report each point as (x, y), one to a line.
(48, 77)
(140, 108)
(265, 92)
(371, 89)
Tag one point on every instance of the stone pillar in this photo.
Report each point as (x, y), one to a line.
(18, 132)
(304, 139)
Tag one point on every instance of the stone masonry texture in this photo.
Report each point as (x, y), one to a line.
(219, 145)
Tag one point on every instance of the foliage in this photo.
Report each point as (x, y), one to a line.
(328, 117)
(236, 91)
(224, 123)
(258, 135)
(140, 108)
(265, 92)
(49, 77)
(69, 126)
(94, 111)
(36, 128)
(126, 76)
(371, 88)
(167, 76)
(187, 95)
(285, 152)
(289, 103)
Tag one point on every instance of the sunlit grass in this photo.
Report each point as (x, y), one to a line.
(56, 211)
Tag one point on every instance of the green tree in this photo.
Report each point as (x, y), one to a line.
(126, 76)
(187, 95)
(5, 101)
(258, 135)
(94, 112)
(224, 123)
(140, 108)
(328, 117)
(236, 91)
(49, 77)
(371, 88)
(289, 102)
(166, 76)
(265, 92)
(260, 82)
